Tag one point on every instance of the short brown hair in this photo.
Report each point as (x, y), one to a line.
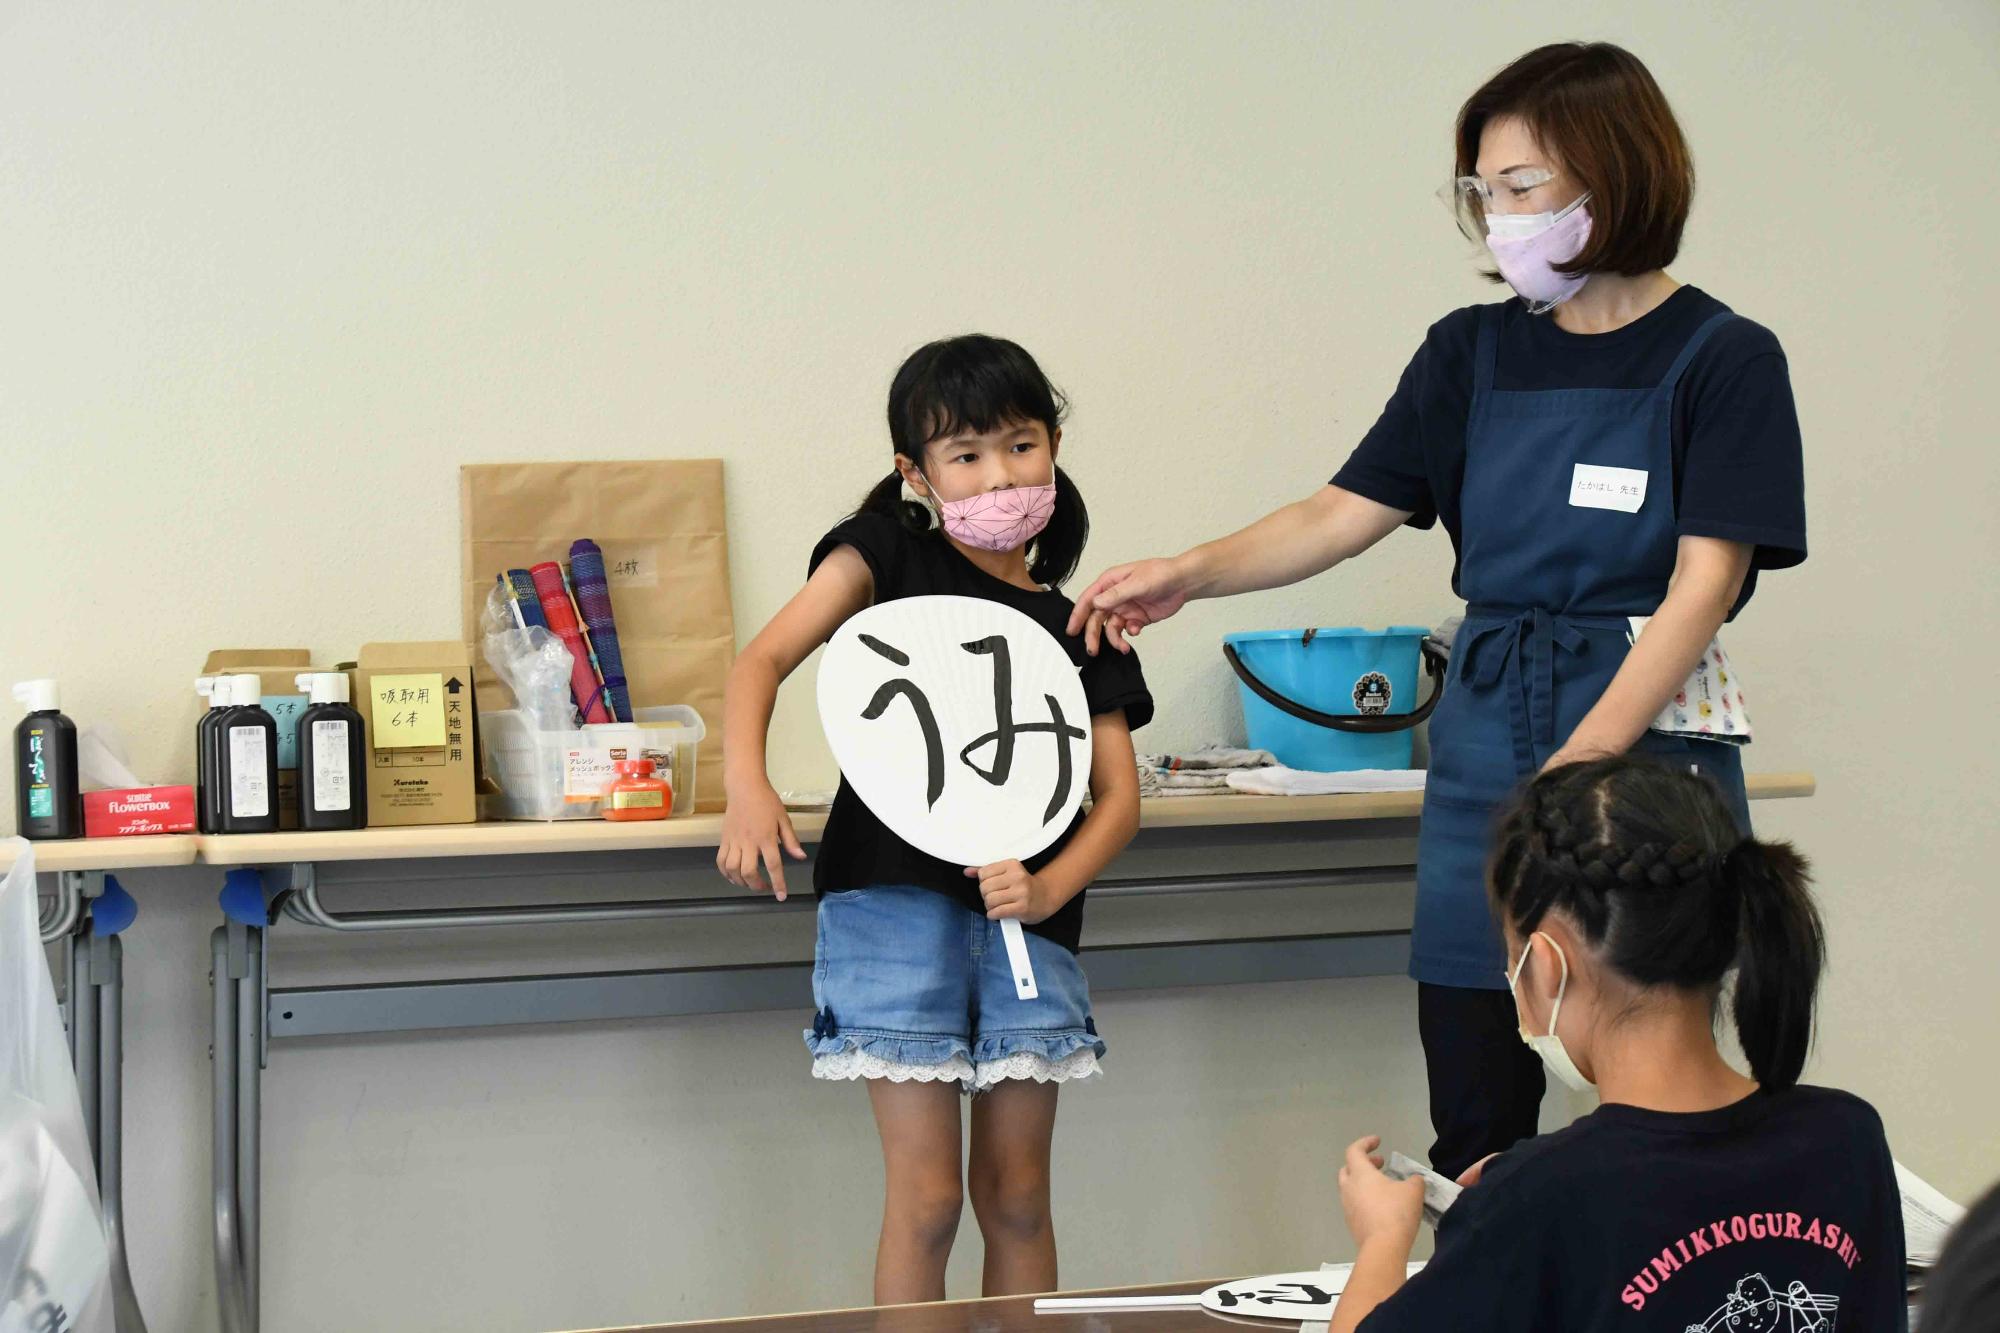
(1594, 108)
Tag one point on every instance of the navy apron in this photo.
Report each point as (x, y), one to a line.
(1549, 587)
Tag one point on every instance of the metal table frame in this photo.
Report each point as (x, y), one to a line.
(93, 1004)
(249, 1012)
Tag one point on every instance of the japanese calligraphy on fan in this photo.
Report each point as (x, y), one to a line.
(962, 725)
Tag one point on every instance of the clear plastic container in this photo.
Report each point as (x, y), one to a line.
(563, 774)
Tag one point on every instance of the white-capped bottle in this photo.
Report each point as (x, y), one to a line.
(214, 692)
(333, 787)
(248, 781)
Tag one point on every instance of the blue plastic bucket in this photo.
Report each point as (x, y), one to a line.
(1333, 700)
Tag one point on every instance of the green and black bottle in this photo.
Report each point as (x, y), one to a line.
(48, 798)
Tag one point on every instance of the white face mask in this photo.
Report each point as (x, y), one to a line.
(1528, 249)
(1549, 1046)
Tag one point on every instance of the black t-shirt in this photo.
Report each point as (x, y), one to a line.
(1780, 1212)
(857, 850)
(1739, 468)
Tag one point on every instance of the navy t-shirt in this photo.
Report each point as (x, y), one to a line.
(1739, 468)
(1780, 1212)
(858, 851)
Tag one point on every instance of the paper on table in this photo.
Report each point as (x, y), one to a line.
(1298, 782)
(1325, 1325)
(1928, 1218)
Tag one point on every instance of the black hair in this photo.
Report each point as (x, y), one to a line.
(979, 383)
(1646, 861)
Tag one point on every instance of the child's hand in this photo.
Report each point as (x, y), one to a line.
(1378, 1208)
(1010, 891)
(752, 828)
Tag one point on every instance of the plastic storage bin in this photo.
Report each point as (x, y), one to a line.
(563, 774)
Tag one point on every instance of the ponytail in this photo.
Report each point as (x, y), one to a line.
(1059, 548)
(1781, 951)
(887, 500)
(1646, 862)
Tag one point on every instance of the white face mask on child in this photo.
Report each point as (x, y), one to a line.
(1549, 1046)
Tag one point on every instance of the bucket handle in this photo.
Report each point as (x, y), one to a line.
(1436, 655)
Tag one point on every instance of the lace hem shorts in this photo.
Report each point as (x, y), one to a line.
(910, 986)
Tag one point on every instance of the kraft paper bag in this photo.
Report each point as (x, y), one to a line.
(663, 529)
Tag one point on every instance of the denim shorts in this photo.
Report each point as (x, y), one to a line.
(908, 984)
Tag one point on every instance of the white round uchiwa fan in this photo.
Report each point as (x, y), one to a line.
(963, 727)
(961, 723)
(1285, 1297)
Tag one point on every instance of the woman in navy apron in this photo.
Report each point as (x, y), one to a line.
(1611, 452)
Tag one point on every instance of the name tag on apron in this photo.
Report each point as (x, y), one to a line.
(1620, 488)
(1709, 706)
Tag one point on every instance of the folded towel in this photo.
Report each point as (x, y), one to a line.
(1214, 757)
(1183, 784)
(1297, 782)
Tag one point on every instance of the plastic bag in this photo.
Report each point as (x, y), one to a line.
(53, 1255)
(532, 662)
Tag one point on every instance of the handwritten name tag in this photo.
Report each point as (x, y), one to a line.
(1620, 488)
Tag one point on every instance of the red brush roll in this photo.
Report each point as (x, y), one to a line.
(583, 682)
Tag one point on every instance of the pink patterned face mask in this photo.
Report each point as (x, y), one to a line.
(999, 520)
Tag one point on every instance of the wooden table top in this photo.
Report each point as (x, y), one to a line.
(694, 831)
(1005, 1314)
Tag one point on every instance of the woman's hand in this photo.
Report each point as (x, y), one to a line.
(1473, 1174)
(1379, 1209)
(753, 828)
(1578, 752)
(1127, 598)
(1010, 890)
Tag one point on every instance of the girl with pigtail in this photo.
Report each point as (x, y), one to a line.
(1696, 1196)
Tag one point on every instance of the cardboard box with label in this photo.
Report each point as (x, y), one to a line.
(277, 669)
(416, 706)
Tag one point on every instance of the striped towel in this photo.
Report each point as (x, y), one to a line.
(593, 598)
(1201, 773)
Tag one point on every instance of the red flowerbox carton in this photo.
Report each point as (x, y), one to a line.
(138, 810)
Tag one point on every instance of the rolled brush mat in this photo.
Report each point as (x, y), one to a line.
(593, 599)
(562, 620)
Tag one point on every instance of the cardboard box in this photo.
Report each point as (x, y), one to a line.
(415, 701)
(135, 811)
(276, 669)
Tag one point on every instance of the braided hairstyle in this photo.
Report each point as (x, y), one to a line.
(1646, 861)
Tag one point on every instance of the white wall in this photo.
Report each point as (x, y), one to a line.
(272, 273)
